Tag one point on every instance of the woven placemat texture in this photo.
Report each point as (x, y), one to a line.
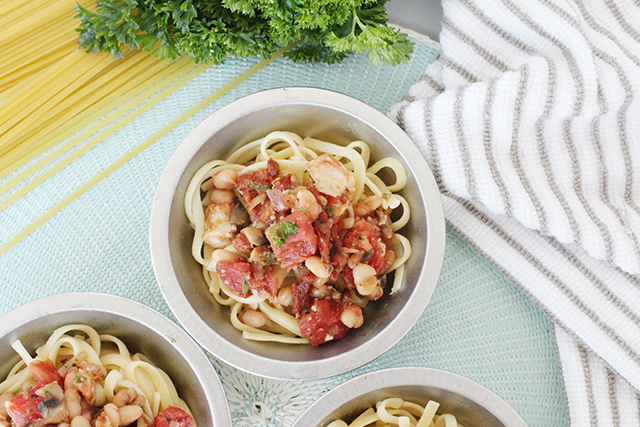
(477, 323)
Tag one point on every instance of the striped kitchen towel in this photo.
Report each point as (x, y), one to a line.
(530, 120)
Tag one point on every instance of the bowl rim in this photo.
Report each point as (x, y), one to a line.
(208, 337)
(113, 304)
(409, 376)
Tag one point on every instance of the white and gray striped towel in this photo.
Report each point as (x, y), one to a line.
(530, 120)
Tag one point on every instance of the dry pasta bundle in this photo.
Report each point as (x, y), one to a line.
(296, 235)
(81, 378)
(51, 90)
(401, 413)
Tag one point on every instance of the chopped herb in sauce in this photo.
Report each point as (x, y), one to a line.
(258, 186)
(283, 231)
(268, 259)
(245, 287)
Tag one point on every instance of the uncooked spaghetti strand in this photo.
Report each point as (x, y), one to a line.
(86, 147)
(58, 108)
(136, 90)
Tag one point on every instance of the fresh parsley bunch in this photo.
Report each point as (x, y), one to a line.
(212, 30)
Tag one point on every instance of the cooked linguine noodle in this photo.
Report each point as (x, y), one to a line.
(402, 413)
(342, 189)
(77, 347)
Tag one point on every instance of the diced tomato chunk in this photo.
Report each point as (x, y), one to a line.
(173, 417)
(365, 237)
(322, 227)
(45, 372)
(296, 247)
(233, 274)
(323, 323)
(263, 279)
(300, 294)
(255, 184)
(283, 183)
(23, 409)
(241, 243)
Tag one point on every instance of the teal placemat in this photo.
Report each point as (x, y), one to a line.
(477, 323)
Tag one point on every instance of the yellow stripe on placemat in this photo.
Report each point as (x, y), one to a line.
(138, 149)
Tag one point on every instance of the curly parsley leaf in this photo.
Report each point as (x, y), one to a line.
(283, 231)
(258, 186)
(366, 31)
(212, 30)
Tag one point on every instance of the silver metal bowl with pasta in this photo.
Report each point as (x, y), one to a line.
(311, 117)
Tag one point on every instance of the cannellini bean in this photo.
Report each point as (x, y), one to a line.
(364, 276)
(377, 293)
(124, 397)
(80, 357)
(225, 179)
(308, 202)
(128, 414)
(112, 412)
(224, 255)
(317, 267)
(253, 318)
(101, 399)
(351, 316)
(80, 421)
(72, 401)
(254, 235)
(28, 384)
(285, 298)
(367, 205)
(4, 397)
(221, 196)
(390, 258)
(321, 292)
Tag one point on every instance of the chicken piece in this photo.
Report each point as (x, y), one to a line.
(330, 176)
(218, 228)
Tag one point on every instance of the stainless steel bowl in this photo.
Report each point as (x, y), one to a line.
(308, 112)
(142, 330)
(472, 404)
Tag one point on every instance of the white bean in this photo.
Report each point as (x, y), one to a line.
(317, 267)
(80, 421)
(128, 414)
(367, 205)
(285, 298)
(72, 401)
(254, 235)
(112, 412)
(308, 202)
(4, 397)
(225, 179)
(351, 316)
(253, 318)
(364, 276)
(221, 196)
(224, 255)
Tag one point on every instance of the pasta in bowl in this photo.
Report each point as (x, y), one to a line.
(94, 359)
(294, 241)
(289, 126)
(410, 397)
